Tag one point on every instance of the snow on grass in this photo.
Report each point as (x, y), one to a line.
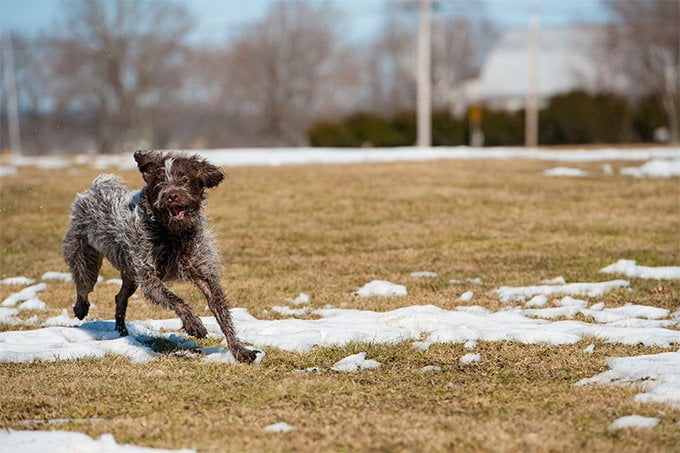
(470, 358)
(423, 274)
(381, 288)
(287, 311)
(61, 421)
(521, 293)
(63, 441)
(470, 344)
(629, 268)
(657, 374)
(57, 276)
(537, 301)
(62, 320)
(474, 281)
(633, 421)
(466, 296)
(301, 299)
(565, 171)
(25, 294)
(431, 369)
(114, 281)
(425, 325)
(17, 281)
(32, 304)
(355, 362)
(589, 349)
(655, 168)
(555, 281)
(280, 427)
(222, 355)
(6, 170)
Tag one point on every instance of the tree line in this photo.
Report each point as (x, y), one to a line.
(119, 75)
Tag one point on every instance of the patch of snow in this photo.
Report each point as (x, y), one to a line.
(24, 294)
(633, 421)
(555, 312)
(598, 306)
(656, 374)
(114, 281)
(280, 427)
(58, 276)
(314, 369)
(17, 281)
(62, 441)
(655, 168)
(301, 299)
(607, 169)
(381, 288)
(422, 345)
(565, 171)
(355, 362)
(287, 311)
(423, 274)
(61, 421)
(33, 304)
(521, 293)
(469, 358)
(6, 170)
(62, 320)
(569, 301)
(472, 309)
(431, 368)
(589, 349)
(470, 344)
(537, 301)
(629, 268)
(466, 296)
(222, 355)
(555, 281)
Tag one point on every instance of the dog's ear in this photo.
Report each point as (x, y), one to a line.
(147, 163)
(210, 174)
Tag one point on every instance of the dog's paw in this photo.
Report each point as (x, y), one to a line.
(196, 329)
(80, 309)
(122, 330)
(244, 355)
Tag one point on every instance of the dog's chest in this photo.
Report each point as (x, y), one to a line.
(173, 259)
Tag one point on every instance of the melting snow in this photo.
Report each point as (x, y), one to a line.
(355, 362)
(431, 368)
(423, 274)
(589, 349)
(58, 276)
(280, 427)
(633, 421)
(469, 358)
(33, 304)
(466, 296)
(655, 168)
(24, 294)
(287, 311)
(657, 374)
(114, 281)
(7, 170)
(62, 441)
(381, 288)
(629, 268)
(555, 281)
(301, 299)
(521, 293)
(470, 344)
(565, 171)
(17, 281)
(537, 301)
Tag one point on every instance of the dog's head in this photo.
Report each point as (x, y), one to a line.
(175, 185)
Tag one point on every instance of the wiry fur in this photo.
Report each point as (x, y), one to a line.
(151, 236)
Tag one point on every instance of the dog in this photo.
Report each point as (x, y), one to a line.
(151, 236)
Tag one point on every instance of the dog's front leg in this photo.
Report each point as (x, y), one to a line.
(217, 302)
(154, 290)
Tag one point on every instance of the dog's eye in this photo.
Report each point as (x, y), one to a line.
(184, 180)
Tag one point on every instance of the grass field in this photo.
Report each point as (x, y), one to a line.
(326, 231)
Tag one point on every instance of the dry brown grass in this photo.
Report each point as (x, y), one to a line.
(326, 230)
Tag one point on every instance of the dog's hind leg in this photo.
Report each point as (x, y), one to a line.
(127, 290)
(84, 262)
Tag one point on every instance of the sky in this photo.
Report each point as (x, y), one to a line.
(219, 20)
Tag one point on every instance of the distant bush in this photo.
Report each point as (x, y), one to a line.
(572, 118)
(579, 117)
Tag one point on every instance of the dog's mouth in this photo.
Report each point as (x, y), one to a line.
(177, 212)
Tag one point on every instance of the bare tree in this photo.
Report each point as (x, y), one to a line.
(288, 68)
(648, 35)
(121, 60)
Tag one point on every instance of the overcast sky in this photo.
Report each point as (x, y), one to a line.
(218, 20)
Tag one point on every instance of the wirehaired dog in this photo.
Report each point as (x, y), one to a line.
(153, 235)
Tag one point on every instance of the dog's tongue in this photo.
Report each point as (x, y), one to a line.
(177, 213)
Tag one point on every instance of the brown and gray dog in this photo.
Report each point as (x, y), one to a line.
(153, 235)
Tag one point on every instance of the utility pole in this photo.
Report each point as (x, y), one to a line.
(11, 92)
(532, 95)
(424, 79)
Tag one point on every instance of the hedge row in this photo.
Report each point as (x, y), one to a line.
(573, 118)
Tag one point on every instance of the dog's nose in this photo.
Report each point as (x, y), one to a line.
(173, 196)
